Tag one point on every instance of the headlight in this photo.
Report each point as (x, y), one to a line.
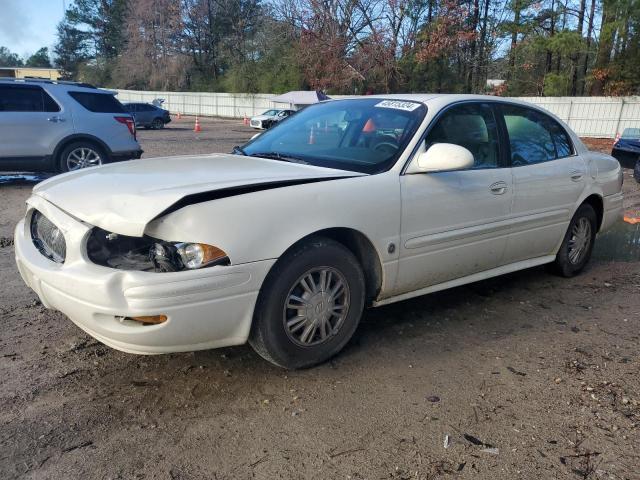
(150, 254)
(47, 238)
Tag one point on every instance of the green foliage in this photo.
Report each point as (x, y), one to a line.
(556, 85)
(9, 59)
(347, 46)
(40, 59)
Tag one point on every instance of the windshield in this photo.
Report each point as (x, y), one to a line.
(363, 135)
(270, 113)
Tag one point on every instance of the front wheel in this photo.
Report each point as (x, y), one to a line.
(157, 124)
(310, 305)
(578, 242)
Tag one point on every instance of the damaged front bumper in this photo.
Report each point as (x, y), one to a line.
(205, 308)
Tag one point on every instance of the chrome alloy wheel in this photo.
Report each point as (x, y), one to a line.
(580, 240)
(83, 157)
(316, 306)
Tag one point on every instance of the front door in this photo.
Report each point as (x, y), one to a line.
(31, 122)
(456, 223)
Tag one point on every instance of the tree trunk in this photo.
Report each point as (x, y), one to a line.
(605, 46)
(585, 66)
(514, 37)
(482, 70)
(471, 74)
(576, 59)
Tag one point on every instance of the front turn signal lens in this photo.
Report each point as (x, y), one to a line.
(152, 319)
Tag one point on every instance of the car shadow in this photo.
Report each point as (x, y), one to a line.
(26, 178)
(429, 325)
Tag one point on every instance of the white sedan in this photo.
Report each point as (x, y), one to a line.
(349, 204)
(269, 118)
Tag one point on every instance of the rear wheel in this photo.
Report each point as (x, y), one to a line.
(79, 155)
(578, 242)
(310, 305)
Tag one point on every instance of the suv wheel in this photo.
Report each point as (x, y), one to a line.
(310, 305)
(157, 124)
(79, 155)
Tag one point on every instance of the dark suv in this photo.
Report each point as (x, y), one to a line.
(147, 115)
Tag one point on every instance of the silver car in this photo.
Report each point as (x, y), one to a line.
(60, 126)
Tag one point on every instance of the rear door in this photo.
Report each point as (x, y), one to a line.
(100, 114)
(548, 179)
(456, 223)
(31, 123)
(146, 113)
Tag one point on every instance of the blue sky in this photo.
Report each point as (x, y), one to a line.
(27, 25)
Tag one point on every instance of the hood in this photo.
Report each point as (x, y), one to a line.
(124, 197)
(263, 117)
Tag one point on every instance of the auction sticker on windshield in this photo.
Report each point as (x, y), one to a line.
(398, 104)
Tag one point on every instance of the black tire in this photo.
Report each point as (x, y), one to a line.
(269, 336)
(636, 171)
(65, 159)
(157, 124)
(566, 264)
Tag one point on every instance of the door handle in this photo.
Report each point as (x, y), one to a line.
(498, 188)
(56, 119)
(576, 176)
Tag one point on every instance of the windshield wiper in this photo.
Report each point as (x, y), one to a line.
(238, 151)
(279, 156)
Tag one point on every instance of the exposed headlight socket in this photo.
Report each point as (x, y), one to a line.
(165, 257)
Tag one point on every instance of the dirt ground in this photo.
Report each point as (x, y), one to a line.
(520, 377)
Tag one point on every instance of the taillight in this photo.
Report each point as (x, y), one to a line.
(128, 121)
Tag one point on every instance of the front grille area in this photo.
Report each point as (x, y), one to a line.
(48, 238)
(255, 123)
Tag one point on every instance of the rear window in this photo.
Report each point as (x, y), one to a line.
(19, 98)
(98, 102)
(631, 133)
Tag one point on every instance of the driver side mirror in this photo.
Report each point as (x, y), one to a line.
(442, 157)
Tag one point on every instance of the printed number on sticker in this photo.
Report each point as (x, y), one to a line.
(398, 104)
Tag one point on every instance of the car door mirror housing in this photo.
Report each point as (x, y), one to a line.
(442, 157)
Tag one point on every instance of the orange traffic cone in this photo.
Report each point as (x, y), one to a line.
(369, 127)
(179, 116)
(246, 120)
(312, 137)
(197, 126)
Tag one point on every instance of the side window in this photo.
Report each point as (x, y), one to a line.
(564, 147)
(98, 102)
(534, 137)
(472, 126)
(49, 103)
(26, 99)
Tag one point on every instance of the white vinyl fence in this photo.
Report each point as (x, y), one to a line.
(588, 116)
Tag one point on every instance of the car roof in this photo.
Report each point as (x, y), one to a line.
(428, 98)
(46, 81)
